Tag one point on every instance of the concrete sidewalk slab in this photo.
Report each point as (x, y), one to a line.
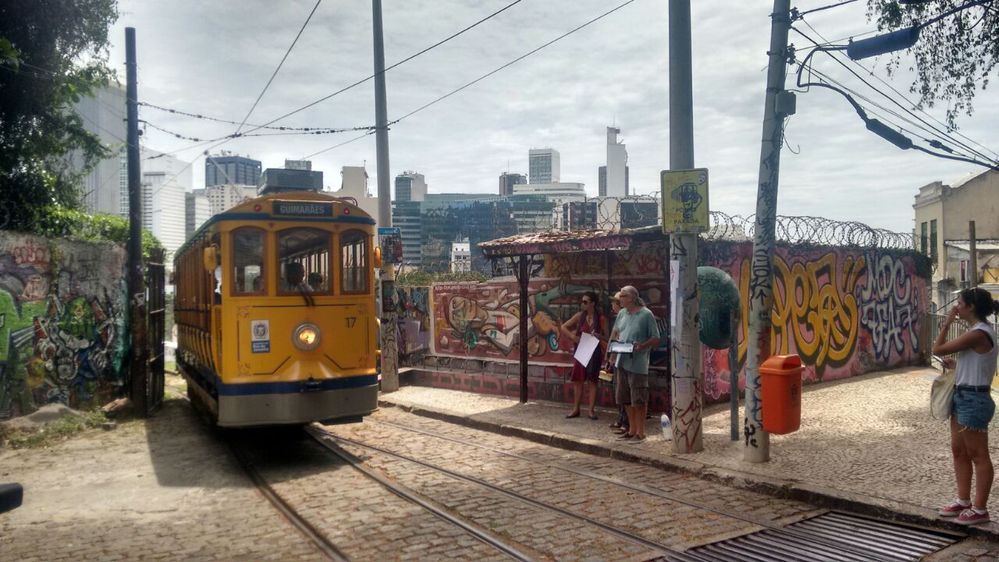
(867, 444)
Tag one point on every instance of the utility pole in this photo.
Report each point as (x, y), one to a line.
(685, 349)
(137, 366)
(973, 251)
(390, 349)
(777, 106)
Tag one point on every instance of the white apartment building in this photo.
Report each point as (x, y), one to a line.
(163, 210)
(197, 210)
(543, 165)
(355, 184)
(224, 197)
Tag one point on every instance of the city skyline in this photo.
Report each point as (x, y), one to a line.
(563, 97)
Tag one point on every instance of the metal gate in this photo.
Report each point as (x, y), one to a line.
(155, 327)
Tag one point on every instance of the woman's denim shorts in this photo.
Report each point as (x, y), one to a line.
(973, 408)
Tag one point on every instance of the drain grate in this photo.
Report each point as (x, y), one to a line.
(829, 537)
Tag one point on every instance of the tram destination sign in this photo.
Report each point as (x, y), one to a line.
(302, 209)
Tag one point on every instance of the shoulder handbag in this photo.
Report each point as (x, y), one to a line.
(941, 395)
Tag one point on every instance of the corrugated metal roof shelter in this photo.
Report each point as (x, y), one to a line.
(524, 247)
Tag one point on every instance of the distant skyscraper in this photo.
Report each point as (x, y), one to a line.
(543, 165)
(103, 115)
(602, 181)
(508, 180)
(233, 170)
(410, 186)
(164, 210)
(197, 210)
(221, 198)
(617, 162)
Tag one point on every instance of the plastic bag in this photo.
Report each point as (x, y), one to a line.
(941, 395)
(667, 427)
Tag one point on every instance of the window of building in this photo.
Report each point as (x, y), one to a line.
(354, 261)
(304, 261)
(248, 261)
(933, 241)
(923, 240)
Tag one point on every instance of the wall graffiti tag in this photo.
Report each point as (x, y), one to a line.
(62, 322)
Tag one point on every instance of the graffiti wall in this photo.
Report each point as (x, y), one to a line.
(845, 311)
(413, 310)
(482, 320)
(62, 322)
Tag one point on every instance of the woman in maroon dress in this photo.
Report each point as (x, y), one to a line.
(589, 320)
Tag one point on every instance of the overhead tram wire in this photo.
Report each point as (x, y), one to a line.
(488, 74)
(359, 82)
(826, 7)
(403, 61)
(900, 94)
(280, 64)
(514, 61)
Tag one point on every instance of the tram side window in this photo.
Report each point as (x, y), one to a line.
(354, 261)
(304, 261)
(248, 262)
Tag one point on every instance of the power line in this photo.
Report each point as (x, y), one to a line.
(229, 122)
(403, 61)
(518, 59)
(273, 134)
(280, 64)
(338, 145)
(926, 126)
(801, 14)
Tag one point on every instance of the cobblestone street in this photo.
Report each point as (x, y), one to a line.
(170, 489)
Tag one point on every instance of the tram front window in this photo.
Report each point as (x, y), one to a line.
(248, 262)
(304, 261)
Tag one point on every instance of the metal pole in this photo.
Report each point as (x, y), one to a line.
(390, 350)
(973, 250)
(523, 276)
(761, 295)
(136, 277)
(687, 380)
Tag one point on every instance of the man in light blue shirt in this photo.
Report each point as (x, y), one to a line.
(635, 324)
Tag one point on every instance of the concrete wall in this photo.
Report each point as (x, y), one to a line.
(62, 322)
(845, 311)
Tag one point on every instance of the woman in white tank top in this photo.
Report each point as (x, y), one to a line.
(972, 407)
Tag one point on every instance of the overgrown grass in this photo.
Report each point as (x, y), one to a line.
(53, 432)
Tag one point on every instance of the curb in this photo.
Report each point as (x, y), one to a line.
(817, 495)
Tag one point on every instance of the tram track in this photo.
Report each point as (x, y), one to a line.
(773, 534)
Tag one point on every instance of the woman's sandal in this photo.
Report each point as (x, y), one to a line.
(573, 415)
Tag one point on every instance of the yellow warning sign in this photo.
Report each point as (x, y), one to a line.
(685, 200)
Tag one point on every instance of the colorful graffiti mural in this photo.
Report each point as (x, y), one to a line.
(413, 309)
(845, 311)
(62, 331)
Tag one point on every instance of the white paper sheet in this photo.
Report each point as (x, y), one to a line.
(587, 345)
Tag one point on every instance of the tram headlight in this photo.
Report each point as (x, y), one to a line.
(306, 337)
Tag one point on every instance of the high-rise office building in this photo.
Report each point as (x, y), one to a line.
(164, 210)
(543, 165)
(226, 169)
(617, 163)
(410, 186)
(602, 181)
(197, 210)
(508, 180)
(103, 115)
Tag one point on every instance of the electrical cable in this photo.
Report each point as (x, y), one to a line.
(802, 14)
(273, 134)
(228, 122)
(403, 61)
(337, 145)
(280, 64)
(926, 126)
(913, 105)
(518, 59)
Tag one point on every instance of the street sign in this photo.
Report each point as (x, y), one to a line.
(390, 240)
(685, 200)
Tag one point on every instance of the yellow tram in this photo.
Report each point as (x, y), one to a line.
(275, 311)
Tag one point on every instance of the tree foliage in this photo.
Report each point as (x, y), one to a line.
(60, 222)
(420, 278)
(52, 52)
(954, 56)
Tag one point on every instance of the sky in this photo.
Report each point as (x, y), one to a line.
(214, 59)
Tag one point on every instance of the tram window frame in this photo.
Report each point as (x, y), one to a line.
(313, 261)
(239, 253)
(352, 237)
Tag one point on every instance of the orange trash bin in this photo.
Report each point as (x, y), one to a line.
(780, 386)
